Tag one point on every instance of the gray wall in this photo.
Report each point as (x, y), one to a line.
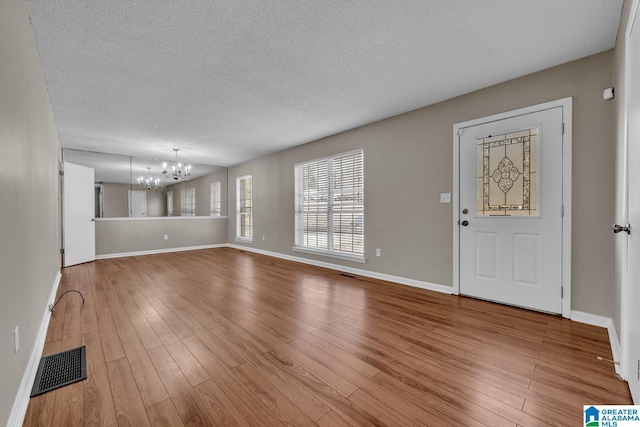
(408, 163)
(135, 235)
(203, 193)
(29, 205)
(116, 201)
(146, 234)
(156, 203)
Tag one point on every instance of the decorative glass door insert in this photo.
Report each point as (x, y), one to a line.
(507, 174)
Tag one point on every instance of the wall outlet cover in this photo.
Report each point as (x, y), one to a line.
(445, 197)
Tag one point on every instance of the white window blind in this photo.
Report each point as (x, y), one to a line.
(329, 204)
(188, 202)
(244, 208)
(215, 199)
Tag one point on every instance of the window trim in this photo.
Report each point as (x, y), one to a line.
(218, 201)
(339, 255)
(238, 213)
(322, 252)
(170, 205)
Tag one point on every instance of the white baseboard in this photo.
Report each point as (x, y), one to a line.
(591, 319)
(357, 271)
(603, 322)
(615, 348)
(160, 251)
(20, 404)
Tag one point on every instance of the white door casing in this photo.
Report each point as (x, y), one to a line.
(630, 322)
(517, 256)
(78, 214)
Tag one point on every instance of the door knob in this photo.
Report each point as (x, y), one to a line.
(618, 228)
(464, 223)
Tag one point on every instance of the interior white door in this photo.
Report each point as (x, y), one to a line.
(511, 210)
(78, 210)
(631, 297)
(137, 203)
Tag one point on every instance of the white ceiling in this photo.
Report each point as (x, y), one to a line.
(227, 80)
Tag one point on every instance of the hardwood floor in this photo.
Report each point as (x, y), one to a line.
(224, 337)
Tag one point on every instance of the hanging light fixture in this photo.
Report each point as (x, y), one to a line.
(177, 170)
(148, 183)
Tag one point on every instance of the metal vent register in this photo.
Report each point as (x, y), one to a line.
(60, 369)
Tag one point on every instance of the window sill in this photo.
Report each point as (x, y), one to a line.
(243, 240)
(354, 258)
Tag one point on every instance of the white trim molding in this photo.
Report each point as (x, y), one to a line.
(20, 404)
(345, 257)
(357, 271)
(616, 350)
(159, 218)
(567, 118)
(603, 322)
(591, 319)
(160, 251)
(627, 327)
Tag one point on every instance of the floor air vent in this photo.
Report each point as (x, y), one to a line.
(60, 369)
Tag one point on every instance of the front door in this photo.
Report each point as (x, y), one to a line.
(510, 210)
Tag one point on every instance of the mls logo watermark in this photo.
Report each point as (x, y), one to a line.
(611, 415)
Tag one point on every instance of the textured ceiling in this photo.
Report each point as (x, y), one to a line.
(226, 81)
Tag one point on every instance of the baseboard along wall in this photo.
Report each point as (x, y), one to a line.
(20, 404)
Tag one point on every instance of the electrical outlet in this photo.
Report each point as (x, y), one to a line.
(16, 339)
(166, 237)
(445, 197)
(378, 252)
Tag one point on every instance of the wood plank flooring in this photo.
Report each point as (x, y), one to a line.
(225, 337)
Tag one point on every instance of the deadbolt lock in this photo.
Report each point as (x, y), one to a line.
(465, 211)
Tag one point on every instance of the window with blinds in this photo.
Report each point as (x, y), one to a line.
(170, 203)
(188, 202)
(329, 205)
(214, 208)
(244, 208)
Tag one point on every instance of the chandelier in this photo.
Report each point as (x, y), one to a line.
(176, 170)
(148, 183)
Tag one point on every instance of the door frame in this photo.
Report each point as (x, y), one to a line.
(458, 130)
(627, 367)
(100, 188)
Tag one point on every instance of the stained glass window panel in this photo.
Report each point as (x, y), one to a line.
(507, 174)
